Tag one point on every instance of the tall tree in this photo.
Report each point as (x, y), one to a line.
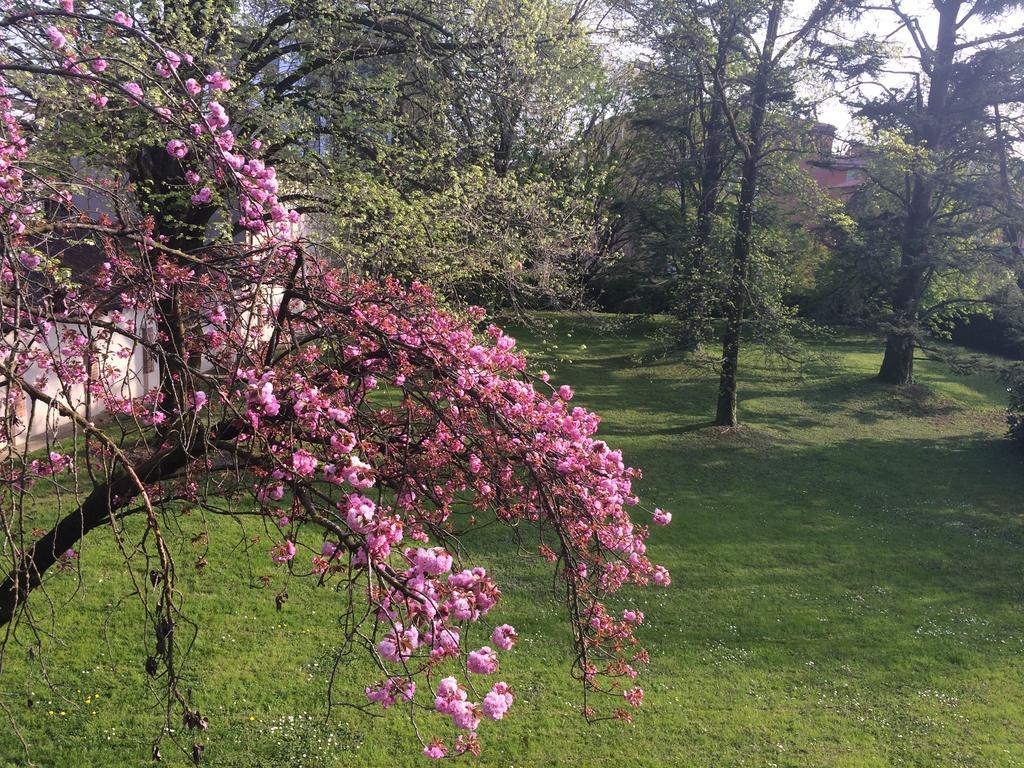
(772, 76)
(719, 102)
(942, 118)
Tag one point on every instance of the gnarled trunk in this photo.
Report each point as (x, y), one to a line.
(898, 363)
(99, 507)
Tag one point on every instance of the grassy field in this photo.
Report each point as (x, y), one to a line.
(847, 592)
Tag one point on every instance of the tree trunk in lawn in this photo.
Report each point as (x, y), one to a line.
(914, 275)
(725, 415)
(898, 363)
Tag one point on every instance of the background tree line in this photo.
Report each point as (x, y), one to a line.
(642, 155)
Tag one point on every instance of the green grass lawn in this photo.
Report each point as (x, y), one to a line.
(847, 592)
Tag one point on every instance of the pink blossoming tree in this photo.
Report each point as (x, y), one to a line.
(364, 423)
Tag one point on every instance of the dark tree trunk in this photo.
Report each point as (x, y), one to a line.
(1011, 228)
(726, 412)
(898, 363)
(159, 177)
(99, 506)
(507, 116)
(97, 509)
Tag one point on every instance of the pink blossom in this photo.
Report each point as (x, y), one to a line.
(273, 492)
(216, 117)
(435, 750)
(282, 553)
(177, 148)
(565, 392)
(29, 260)
(57, 39)
(68, 6)
(226, 141)
(67, 559)
(497, 702)
(134, 90)
(123, 19)
(360, 513)
(399, 644)
(661, 576)
(303, 463)
(467, 743)
(198, 400)
(192, 177)
(358, 473)
(328, 549)
(389, 691)
(218, 316)
(218, 82)
(449, 694)
(634, 696)
(264, 399)
(203, 196)
(661, 517)
(482, 662)
(465, 715)
(192, 87)
(433, 561)
(98, 65)
(504, 637)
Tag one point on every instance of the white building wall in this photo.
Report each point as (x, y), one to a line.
(129, 377)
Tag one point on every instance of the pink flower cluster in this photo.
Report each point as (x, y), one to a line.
(390, 691)
(483, 661)
(497, 702)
